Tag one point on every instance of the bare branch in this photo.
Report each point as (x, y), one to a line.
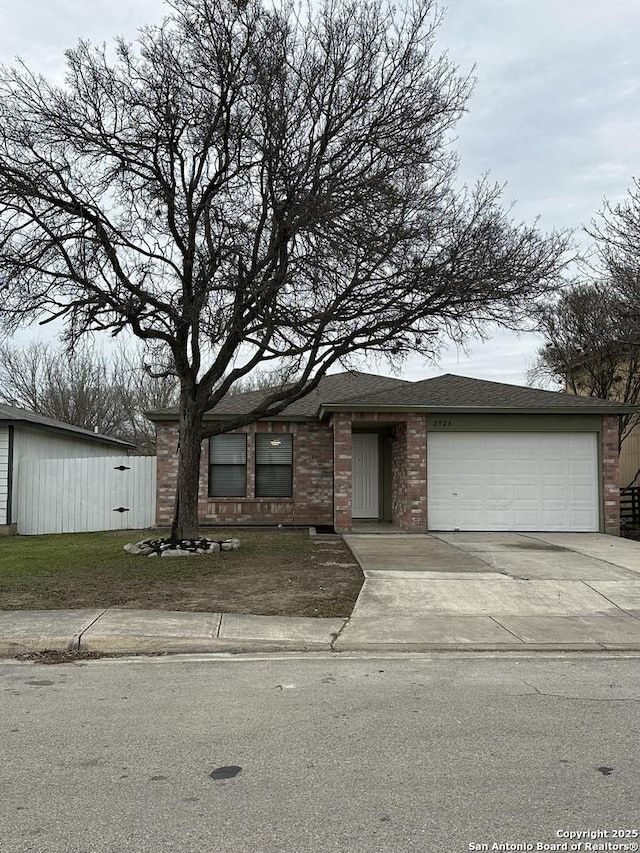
(249, 185)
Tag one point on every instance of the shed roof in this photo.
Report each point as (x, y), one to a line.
(9, 415)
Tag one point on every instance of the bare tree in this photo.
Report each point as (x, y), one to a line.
(86, 388)
(592, 346)
(250, 185)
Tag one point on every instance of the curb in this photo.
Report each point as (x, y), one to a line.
(177, 646)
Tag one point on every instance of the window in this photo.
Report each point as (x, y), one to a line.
(228, 466)
(274, 465)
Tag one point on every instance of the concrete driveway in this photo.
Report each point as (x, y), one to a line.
(497, 588)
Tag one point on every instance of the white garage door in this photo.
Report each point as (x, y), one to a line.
(512, 481)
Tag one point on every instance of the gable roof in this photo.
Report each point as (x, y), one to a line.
(10, 416)
(334, 387)
(356, 391)
(463, 394)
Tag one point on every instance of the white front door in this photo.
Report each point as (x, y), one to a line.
(364, 450)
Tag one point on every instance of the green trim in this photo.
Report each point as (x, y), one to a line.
(586, 409)
(600, 481)
(328, 408)
(455, 422)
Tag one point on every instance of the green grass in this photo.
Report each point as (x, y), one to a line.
(274, 571)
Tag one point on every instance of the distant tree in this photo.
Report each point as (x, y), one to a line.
(264, 380)
(592, 346)
(87, 389)
(255, 184)
(616, 232)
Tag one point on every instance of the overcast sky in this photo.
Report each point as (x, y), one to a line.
(555, 112)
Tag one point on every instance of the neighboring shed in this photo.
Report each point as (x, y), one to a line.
(27, 435)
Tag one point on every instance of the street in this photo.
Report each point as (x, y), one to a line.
(349, 753)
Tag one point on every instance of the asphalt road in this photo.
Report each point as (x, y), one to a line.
(339, 754)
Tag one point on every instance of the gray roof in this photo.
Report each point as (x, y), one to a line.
(451, 392)
(334, 387)
(22, 417)
(355, 391)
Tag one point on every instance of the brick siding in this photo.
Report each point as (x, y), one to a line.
(342, 460)
(408, 467)
(610, 462)
(312, 499)
(319, 450)
(409, 475)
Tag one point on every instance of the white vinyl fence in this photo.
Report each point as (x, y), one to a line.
(77, 495)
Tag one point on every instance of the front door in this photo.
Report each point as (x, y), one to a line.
(364, 448)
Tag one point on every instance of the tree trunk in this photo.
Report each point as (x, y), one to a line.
(185, 519)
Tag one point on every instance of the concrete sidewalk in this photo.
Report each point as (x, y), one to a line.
(459, 591)
(159, 631)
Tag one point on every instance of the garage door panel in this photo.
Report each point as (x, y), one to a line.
(580, 467)
(526, 467)
(513, 481)
(471, 517)
(475, 468)
(498, 493)
(555, 492)
(474, 492)
(527, 492)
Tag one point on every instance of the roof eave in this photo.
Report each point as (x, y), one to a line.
(506, 410)
(87, 436)
(214, 416)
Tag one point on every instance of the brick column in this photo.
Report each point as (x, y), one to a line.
(611, 491)
(416, 511)
(167, 471)
(342, 472)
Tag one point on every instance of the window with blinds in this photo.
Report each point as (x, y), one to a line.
(274, 465)
(228, 466)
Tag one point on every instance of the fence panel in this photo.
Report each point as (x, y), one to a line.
(630, 506)
(80, 495)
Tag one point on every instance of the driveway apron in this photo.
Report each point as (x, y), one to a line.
(497, 588)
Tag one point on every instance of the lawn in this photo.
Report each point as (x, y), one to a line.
(275, 572)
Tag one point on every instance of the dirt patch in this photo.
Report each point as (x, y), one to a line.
(273, 573)
(52, 656)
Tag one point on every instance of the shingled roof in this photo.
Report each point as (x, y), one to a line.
(355, 391)
(11, 416)
(334, 387)
(457, 393)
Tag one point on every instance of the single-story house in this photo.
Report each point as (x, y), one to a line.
(27, 435)
(449, 453)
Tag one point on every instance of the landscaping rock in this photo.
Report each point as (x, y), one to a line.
(177, 552)
(186, 548)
